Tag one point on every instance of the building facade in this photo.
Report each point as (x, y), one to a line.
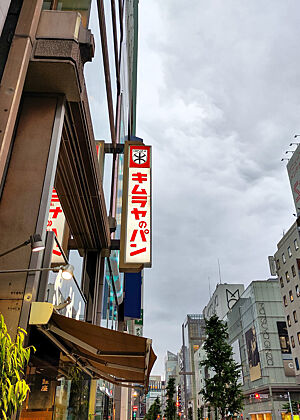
(51, 185)
(258, 334)
(223, 299)
(193, 335)
(287, 260)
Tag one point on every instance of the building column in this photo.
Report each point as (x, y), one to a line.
(24, 205)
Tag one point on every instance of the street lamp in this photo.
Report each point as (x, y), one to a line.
(35, 242)
(67, 270)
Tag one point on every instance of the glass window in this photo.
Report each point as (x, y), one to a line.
(289, 251)
(295, 316)
(277, 264)
(288, 320)
(283, 258)
(292, 341)
(281, 282)
(297, 363)
(284, 300)
(287, 276)
(296, 244)
(297, 290)
(291, 296)
(293, 271)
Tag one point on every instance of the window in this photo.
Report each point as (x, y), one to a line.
(281, 282)
(296, 244)
(298, 335)
(291, 296)
(289, 251)
(295, 317)
(297, 363)
(284, 301)
(293, 271)
(297, 290)
(288, 320)
(287, 276)
(283, 258)
(292, 341)
(277, 264)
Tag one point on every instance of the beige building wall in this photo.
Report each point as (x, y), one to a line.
(287, 260)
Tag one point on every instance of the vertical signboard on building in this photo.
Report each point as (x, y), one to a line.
(293, 168)
(253, 354)
(135, 249)
(57, 224)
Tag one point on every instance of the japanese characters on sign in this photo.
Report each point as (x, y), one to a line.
(138, 220)
(57, 224)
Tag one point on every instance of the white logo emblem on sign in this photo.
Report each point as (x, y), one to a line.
(139, 156)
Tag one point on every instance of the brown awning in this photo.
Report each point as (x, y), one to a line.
(115, 356)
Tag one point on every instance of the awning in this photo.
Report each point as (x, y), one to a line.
(117, 357)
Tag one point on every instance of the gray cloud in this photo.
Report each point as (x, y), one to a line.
(218, 98)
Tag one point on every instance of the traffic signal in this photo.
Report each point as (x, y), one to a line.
(257, 396)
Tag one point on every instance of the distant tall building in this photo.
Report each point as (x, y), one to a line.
(223, 299)
(193, 335)
(156, 389)
(171, 363)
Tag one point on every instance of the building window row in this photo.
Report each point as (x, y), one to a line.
(290, 294)
(289, 251)
(293, 340)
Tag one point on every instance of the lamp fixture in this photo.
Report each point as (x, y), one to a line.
(34, 240)
(67, 270)
(284, 159)
(296, 144)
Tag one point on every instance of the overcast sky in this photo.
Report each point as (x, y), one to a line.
(219, 101)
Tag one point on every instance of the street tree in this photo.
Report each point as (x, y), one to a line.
(295, 405)
(154, 410)
(222, 389)
(170, 411)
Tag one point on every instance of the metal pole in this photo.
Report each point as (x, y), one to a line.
(291, 408)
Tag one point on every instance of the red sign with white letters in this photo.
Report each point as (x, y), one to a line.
(56, 223)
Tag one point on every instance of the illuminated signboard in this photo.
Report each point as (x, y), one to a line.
(57, 224)
(136, 213)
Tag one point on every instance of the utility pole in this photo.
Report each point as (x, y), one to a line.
(291, 408)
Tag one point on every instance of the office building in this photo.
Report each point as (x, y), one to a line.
(258, 335)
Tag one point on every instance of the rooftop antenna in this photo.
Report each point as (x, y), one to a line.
(219, 271)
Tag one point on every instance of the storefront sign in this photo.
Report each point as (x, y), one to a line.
(136, 220)
(57, 224)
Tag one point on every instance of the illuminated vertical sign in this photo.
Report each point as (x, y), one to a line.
(136, 236)
(57, 224)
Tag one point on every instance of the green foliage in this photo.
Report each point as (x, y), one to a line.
(222, 390)
(79, 394)
(14, 358)
(170, 411)
(200, 413)
(154, 411)
(287, 407)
